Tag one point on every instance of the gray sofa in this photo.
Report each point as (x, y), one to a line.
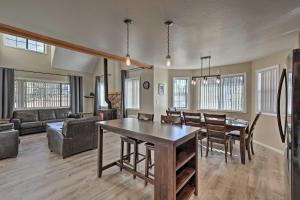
(35, 121)
(9, 141)
(75, 136)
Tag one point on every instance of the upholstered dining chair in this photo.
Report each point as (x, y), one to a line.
(235, 135)
(125, 159)
(194, 119)
(216, 132)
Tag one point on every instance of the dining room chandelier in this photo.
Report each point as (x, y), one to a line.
(128, 22)
(168, 57)
(204, 78)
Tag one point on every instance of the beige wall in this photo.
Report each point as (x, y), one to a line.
(223, 70)
(160, 101)
(266, 131)
(25, 60)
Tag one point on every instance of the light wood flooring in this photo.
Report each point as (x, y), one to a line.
(38, 174)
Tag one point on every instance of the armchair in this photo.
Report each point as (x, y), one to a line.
(9, 141)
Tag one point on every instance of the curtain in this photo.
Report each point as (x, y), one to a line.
(7, 78)
(97, 95)
(123, 107)
(76, 94)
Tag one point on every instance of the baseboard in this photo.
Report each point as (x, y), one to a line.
(269, 147)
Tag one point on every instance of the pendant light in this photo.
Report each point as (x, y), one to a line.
(128, 22)
(168, 57)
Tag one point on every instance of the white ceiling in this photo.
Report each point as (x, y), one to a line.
(75, 61)
(231, 31)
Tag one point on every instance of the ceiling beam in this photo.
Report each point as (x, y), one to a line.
(4, 28)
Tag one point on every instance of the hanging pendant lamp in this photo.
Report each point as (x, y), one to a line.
(168, 57)
(128, 22)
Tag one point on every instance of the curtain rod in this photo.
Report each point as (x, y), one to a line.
(18, 70)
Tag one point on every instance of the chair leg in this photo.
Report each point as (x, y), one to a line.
(207, 147)
(128, 152)
(201, 147)
(248, 147)
(121, 154)
(211, 143)
(226, 147)
(252, 147)
(147, 165)
(135, 158)
(230, 147)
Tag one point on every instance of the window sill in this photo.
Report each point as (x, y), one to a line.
(225, 111)
(269, 114)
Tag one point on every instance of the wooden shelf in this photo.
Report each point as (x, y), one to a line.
(183, 157)
(186, 193)
(183, 177)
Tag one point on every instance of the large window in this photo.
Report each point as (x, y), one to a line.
(40, 94)
(24, 43)
(101, 93)
(180, 92)
(266, 90)
(132, 93)
(228, 95)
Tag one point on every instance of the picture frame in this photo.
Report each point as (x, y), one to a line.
(161, 89)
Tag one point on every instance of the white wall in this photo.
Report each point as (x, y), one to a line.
(160, 101)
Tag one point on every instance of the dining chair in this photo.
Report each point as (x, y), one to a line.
(165, 119)
(125, 159)
(173, 113)
(216, 132)
(194, 119)
(235, 135)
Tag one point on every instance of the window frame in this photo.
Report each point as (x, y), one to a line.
(188, 92)
(277, 67)
(27, 44)
(22, 96)
(220, 100)
(139, 104)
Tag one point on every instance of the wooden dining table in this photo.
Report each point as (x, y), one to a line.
(175, 155)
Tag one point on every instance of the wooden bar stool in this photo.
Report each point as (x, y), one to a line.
(125, 159)
(148, 161)
(169, 119)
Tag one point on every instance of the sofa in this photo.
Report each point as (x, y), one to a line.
(35, 121)
(9, 141)
(75, 136)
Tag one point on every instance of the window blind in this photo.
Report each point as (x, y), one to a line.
(267, 80)
(132, 93)
(180, 92)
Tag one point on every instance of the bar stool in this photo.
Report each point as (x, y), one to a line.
(125, 159)
(169, 119)
(148, 161)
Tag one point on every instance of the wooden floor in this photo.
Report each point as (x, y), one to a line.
(38, 174)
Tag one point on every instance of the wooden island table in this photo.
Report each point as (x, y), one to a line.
(176, 166)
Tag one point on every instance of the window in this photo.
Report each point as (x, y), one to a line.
(266, 90)
(229, 95)
(101, 93)
(132, 93)
(40, 94)
(180, 92)
(24, 43)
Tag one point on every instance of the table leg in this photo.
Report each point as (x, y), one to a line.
(100, 152)
(242, 145)
(165, 172)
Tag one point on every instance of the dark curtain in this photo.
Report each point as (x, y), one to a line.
(76, 94)
(7, 79)
(97, 95)
(123, 108)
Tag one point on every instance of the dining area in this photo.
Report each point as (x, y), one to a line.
(169, 151)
